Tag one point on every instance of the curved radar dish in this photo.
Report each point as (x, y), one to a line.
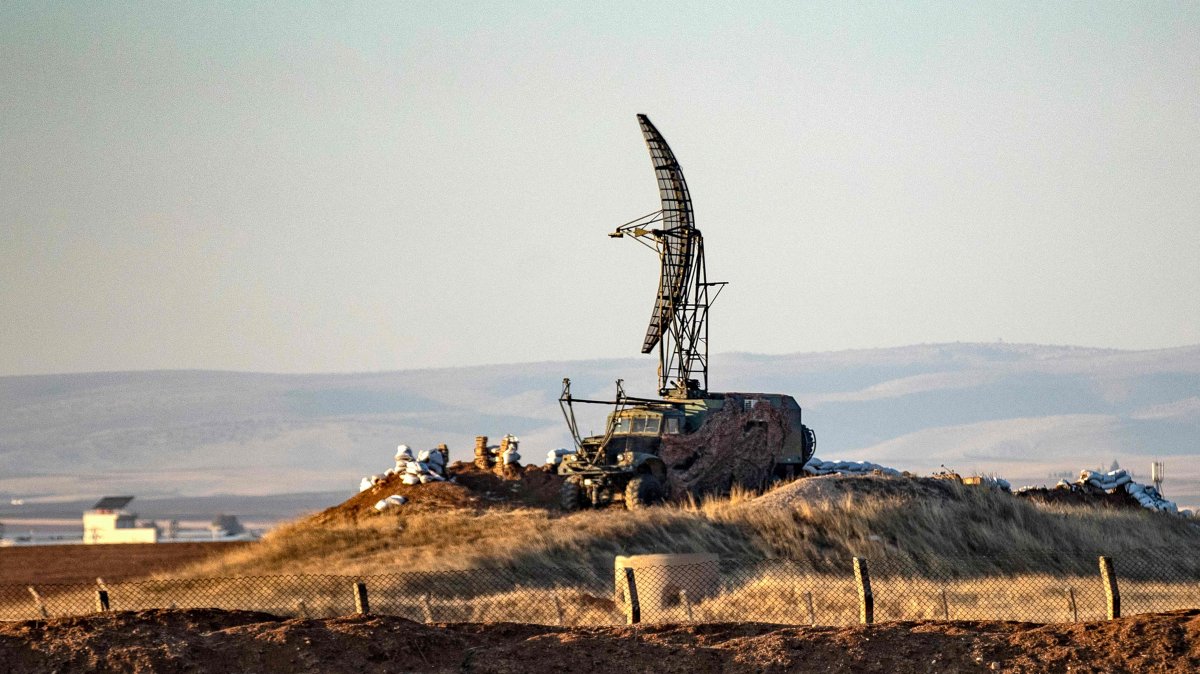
(677, 235)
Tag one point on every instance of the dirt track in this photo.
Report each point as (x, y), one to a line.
(222, 641)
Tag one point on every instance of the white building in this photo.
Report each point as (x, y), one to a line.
(109, 522)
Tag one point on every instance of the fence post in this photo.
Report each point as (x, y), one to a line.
(426, 608)
(866, 600)
(687, 605)
(101, 601)
(41, 605)
(812, 615)
(945, 606)
(361, 605)
(302, 610)
(1071, 604)
(635, 609)
(1112, 594)
(558, 609)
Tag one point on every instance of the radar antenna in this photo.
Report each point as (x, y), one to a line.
(679, 322)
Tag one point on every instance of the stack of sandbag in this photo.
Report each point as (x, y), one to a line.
(427, 466)
(1144, 494)
(393, 501)
(1149, 497)
(506, 453)
(995, 482)
(1106, 481)
(555, 456)
(816, 466)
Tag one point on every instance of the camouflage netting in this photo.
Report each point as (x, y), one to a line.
(734, 446)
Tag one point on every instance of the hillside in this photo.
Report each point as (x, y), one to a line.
(1023, 411)
(923, 520)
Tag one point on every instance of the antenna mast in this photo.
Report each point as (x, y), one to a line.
(679, 323)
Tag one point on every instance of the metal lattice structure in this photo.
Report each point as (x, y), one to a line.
(679, 323)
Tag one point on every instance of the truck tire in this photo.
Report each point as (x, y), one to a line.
(643, 491)
(570, 497)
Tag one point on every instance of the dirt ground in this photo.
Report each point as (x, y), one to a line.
(473, 488)
(204, 640)
(37, 564)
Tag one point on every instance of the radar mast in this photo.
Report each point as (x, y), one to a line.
(679, 321)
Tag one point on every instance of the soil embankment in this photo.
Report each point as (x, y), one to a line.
(50, 564)
(221, 641)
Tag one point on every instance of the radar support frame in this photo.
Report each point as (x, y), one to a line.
(679, 323)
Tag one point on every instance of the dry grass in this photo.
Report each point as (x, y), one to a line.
(764, 595)
(985, 552)
(962, 531)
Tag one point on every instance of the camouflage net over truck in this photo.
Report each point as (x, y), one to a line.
(738, 444)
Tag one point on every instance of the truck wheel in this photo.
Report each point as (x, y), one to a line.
(643, 491)
(571, 495)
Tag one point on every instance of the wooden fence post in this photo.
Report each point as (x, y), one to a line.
(812, 614)
(945, 606)
(866, 600)
(101, 601)
(1112, 594)
(635, 609)
(687, 605)
(361, 605)
(1071, 604)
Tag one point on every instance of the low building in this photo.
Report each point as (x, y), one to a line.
(109, 522)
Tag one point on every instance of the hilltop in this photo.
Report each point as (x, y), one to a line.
(922, 519)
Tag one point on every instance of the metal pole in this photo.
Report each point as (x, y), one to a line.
(101, 601)
(635, 609)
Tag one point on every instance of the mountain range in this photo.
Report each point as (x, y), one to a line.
(1029, 413)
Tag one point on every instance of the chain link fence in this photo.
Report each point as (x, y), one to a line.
(1033, 587)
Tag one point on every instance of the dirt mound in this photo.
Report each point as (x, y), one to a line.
(222, 641)
(826, 489)
(1080, 494)
(471, 488)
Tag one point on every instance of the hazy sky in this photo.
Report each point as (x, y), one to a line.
(368, 187)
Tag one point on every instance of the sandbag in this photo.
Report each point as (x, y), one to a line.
(403, 451)
(393, 501)
(410, 478)
(365, 484)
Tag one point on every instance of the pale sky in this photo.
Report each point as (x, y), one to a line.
(300, 188)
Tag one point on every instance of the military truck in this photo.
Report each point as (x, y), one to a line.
(691, 440)
(655, 449)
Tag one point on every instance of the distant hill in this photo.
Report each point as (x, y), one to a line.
(1022, 411)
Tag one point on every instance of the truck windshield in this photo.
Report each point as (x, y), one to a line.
(672, 427)
(622, 426)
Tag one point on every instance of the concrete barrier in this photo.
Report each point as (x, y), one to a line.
(664, 583)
